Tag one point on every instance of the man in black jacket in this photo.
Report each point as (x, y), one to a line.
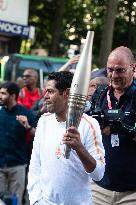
(116, 112)
(15, 121)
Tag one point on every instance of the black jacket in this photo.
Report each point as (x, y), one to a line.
(120, 171)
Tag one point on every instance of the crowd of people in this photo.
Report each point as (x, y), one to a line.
(101, 168)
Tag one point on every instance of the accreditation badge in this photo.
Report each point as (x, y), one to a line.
(114, 140)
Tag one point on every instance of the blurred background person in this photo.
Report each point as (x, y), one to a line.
(71, 64)
(95, 83)
(96, 86)
(30, 93)
(20, 82)
(39, 106)
(15, 120)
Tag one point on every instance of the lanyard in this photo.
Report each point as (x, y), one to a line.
(108, 98)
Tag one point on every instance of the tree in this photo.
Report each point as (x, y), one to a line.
(57, 27)
(125, 25)
(107, 34)
(60, 23)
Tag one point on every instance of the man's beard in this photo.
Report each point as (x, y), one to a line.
(1, 103)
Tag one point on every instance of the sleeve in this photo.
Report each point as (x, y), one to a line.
(95, 147)
(36, 108)
(20, 97)
(34, 173)
(32, 118)
(19, 100)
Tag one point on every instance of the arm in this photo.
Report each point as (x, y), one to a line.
(21, 96)
(42, 109)
(34, 184)
(73, 60)
(95, 147)
(19, 100)
(24, 121)
(72, 138)
(39, 107)
(90, 150)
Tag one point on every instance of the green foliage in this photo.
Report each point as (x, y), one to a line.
(125, 30)
(80, 16)
(41, 17)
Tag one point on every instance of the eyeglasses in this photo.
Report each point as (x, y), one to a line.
(117, 70)
(26, 76)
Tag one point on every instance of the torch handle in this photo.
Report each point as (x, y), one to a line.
(76, 105)
(67, 151)
(79, 87)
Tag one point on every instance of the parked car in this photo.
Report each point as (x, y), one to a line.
(12, 66)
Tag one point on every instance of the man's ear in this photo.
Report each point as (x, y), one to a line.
(66, 92)
(133, 65)
(13, 96)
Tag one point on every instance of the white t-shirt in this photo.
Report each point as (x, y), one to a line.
(59, 180)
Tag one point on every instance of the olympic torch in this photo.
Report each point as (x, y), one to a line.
(79, 87)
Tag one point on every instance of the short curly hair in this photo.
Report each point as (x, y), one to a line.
(63, 79)
(11, 87)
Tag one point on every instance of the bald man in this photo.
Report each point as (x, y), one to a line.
(118, 185)
(30, 93)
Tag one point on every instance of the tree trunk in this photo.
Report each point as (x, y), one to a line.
(107, 35)
(129, 36)
(57, 25)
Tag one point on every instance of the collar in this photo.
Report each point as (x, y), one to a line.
(13, 109)
(130, 90)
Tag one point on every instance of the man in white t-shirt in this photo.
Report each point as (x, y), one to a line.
(52, 178)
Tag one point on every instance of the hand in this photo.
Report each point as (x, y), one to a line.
(134, 139)
(43, 108)
(106, 130)
(73, 60)
(23, 121)
(72, 138)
